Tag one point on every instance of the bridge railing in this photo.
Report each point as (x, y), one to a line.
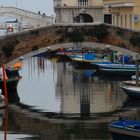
(4, 10)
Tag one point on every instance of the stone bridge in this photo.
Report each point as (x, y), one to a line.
(55, 36)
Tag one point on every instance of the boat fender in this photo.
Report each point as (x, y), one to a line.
(1, 96)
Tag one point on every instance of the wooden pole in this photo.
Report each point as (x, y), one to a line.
(5, 86)
(137, 72)
(6, 124)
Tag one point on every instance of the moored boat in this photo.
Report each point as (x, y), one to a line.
(132, 91)
(125, 130)
(10, 82)
(87, 61)
(115, 66)
(2, 102)
(13, 70)
(133, 77)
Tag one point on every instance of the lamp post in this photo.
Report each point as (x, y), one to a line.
(16, 3)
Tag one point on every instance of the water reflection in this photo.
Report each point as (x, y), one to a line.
(57, 87)
(75, 102)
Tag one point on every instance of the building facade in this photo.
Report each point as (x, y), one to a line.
(78, 11)
(122, 13)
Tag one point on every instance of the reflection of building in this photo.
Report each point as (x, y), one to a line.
(83, 95)
(69, 11)
(122, 13)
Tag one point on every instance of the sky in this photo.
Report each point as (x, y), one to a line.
(45, 6)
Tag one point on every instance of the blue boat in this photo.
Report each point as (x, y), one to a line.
(132, 91)
(88, 60)
(125, 130)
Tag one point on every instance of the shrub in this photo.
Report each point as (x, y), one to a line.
(8, 49)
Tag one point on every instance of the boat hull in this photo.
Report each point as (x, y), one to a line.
(132, 93)
(12, 72)
(125, 130)
(11, 83)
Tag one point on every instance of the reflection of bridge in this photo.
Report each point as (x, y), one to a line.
(33, 19)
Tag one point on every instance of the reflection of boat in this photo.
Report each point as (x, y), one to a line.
(132, 91)
(131, 103)
(117, 72)
(125, 130)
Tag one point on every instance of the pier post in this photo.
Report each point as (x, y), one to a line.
(137, 72)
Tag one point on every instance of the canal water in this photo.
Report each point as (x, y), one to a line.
(58, 102)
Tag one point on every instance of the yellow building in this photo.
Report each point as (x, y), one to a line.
(122, 13)
(77, 11)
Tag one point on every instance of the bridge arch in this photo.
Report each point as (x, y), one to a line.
(82, 45)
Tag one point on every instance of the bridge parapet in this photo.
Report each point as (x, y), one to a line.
(20, 13)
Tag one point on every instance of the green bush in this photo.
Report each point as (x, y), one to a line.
(8, 49)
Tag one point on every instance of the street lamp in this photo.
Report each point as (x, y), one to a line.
(112, 12)
(16, 3)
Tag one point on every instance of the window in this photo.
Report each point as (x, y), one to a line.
(82, 2)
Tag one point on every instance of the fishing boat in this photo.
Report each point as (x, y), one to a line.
(10, 82)
(125, 130)
(13, 70)
(88, 60)
(132, 91)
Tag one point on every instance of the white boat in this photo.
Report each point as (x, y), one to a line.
(132, 91)
(133, 77)
(2, 104)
